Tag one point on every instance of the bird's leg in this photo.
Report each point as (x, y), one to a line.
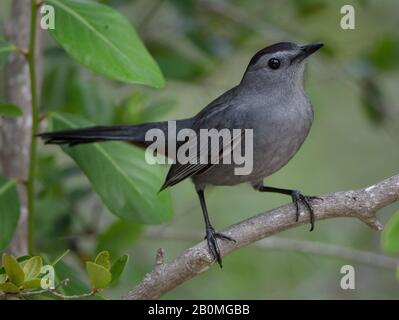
(297, 198)
(211, 234)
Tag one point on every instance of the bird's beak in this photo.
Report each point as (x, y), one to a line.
(306, 51)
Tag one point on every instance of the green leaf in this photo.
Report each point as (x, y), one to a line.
(13, 269)
(9, 287)
(103, 259)
(32, 284)
(3, 278)
(32, 267)
(390, 235)
(21, 260)
(104, 41)
(76, 284)
(5, 49)
(118, 172)
(118, 237)
(118, 267)
(9, 210)
(99, 277)
(10, 110)
(138, 108)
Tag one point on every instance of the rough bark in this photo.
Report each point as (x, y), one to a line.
(15, 133)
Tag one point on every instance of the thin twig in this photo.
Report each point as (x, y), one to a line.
(53, 292)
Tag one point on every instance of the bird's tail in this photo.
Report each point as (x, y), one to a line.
(134, 134)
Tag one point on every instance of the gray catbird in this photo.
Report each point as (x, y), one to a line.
(270, 99)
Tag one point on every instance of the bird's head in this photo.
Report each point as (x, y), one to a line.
(280, 63)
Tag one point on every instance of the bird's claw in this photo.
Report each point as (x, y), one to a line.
(211, 238)
(297, 198)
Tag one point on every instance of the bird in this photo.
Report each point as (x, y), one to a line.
(270, 100)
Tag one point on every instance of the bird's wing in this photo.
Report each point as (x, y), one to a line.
(211, 117)
(178, 172)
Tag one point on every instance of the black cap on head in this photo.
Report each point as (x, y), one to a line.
(280, 46)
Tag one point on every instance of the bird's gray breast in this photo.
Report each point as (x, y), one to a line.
(280, 127)
(279, 133)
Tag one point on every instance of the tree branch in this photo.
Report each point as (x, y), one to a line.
(362, 204)
(15, 133)
(297, 245)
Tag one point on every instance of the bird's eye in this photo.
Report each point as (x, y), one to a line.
(274, 63)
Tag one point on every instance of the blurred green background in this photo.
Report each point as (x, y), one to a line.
(203, 48)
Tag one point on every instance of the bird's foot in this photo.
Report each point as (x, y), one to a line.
(211, 237)
(298, 198)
